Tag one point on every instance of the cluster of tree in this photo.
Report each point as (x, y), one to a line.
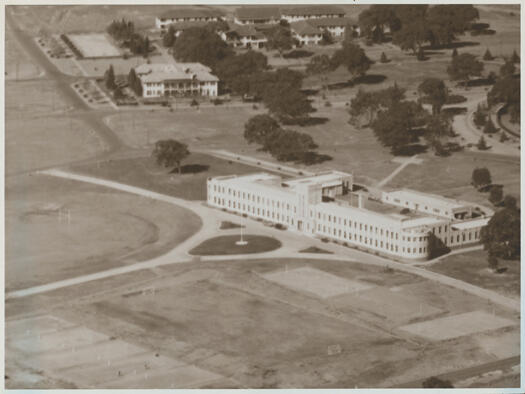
(412, 25)
(397, 122)
(280, 38)
(202, 45)
(170, 153)
(437, 383)
(121, 30)
(506, 90)
(501, 236)
(236, 71)
(283, 144)
(134, 82)
(124, 31)
(353, 57)
(481, 178)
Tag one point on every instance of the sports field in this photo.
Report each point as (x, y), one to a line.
(271, 323)
(94, 45)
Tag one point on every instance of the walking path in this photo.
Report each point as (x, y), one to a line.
(210, 219)
(404, 163)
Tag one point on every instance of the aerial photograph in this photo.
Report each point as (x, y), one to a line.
(269, 196)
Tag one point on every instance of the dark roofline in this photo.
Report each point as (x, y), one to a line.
(191, 12)
(313, 10)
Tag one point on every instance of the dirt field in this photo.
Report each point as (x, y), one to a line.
(57, 229)
(226, 319)
(473, 268)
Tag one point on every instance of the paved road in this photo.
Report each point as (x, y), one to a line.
(466, 373)
(210, 217)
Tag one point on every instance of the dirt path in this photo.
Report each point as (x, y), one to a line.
(211, 217)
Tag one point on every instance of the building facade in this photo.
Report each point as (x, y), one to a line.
(177, 80)
(310, 205)
(244, 36)
(178, 15)
(305, 33)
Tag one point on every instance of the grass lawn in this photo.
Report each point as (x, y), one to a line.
(18, 64)
(105, 229)
(472, 267)
(226, 245)
(144, 172)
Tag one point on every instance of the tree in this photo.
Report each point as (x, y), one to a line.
(414, 31)
(421, 54)
(235, 71)
(394, 127)
(258, 128)
(501, 235)
(170, 153)
(509, 202)
(481, 177)
(326, 38)
(121, 30)
(482, 144)
(383, 58)
(353, 57)
(463, 66)
(446, 22)
(434, 92)
(289, 145)
(109, 78)
(375, 19)
(437, 128)
(200, 45)
(508, 69)
(319, 65)
(506, 90)
(436, 247)
(504, 137)
(134, 82)
(363, 103)
(480, 116)
(454, 52)
(496, 194)
(279, 38)
(493, 261)
(489, 127)
(488, 56)
(515, 58)
(436, 383)
(169, 37)
(289, 104)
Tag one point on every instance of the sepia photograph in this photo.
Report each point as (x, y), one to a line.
(308, 195)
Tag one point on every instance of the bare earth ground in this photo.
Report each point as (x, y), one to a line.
(473, 268)
(226, 320)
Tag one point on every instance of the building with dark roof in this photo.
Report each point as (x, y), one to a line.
(257, 15)
(244, 36)
(299, 13)
(193, 14)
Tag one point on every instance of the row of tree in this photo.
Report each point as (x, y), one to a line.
(283, 144)
(412, 25)
(124, 32)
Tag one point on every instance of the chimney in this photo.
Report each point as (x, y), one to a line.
(360, 202)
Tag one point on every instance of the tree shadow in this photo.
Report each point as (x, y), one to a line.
(410, 150)
(191, 169)
(453, 111)
(310, 92)
(453, 45)
(310, 158)
(369, 79)
(307, 121)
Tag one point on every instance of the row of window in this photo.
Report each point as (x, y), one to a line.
(254, 198)
(255, 211)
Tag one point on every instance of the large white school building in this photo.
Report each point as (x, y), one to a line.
(396, 223)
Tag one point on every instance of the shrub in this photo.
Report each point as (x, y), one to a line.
(489, 127)
(503, 137)
(404, 211)
(325, 240)
(482, 144)
(194, 103)
(496, 194)
(493, 262)
(327, 104)
(488, 55)
(383, 58)
(280, 226)
(480, 117)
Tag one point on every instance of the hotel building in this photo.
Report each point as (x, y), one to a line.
(395, 223)
(177, 80)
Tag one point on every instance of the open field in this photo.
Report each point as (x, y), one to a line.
(57, 229)
(224, 318)
(472, 267)
(94, 45)
(18, 64)
(226, 245)
(144, 172)
(39, 130)
(223, 127)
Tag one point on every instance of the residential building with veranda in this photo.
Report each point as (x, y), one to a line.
(324, 206)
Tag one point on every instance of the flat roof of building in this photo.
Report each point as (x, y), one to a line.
(471, 224)
(158, 72)
(427, 199)
(326, 179)
(260, 181)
